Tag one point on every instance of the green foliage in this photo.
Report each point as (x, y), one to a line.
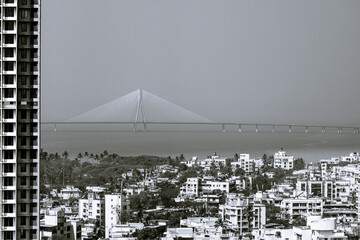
(149, 233)
(183, 167)
(299, 221)
(188, 174)
(239, 172)
(168, 192)
(81, 172)
(299, 164)
(261, 183)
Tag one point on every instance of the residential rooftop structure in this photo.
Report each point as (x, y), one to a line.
(19, 119)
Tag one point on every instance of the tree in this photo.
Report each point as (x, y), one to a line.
(261, 183)
(299, 164)
(65, 154)
(183, 167)
(168, 193)
(299, 221)
(239, 172)
(249, 214)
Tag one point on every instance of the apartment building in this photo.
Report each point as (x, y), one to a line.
(190, 187)
(293, 208)
(211, 186)
(235, 214)
(93, 207)
(115, 205)
(281, 160)
(244, 162)
(19, 118)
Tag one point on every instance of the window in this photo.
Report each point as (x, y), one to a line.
(23, 206)
(23, 127)
(23, 154)
(23, 114)
(23, 67)
(22, 180)
(8, 181)
(23, 196)
(22, 220)
(8, 168)
(23, 141)
(8, 141)
(23, 233)
(23, 53)
(8, 195)
(23, 28)
(23, 167)
(23, 80)
(9, 114)
(8, 222)
(23, 93)
(8, 127)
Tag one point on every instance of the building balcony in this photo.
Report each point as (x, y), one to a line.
(9, 58)
(8, 214)
(9, 147)
(8, 174)
(13, 85)
(9, 201)
(8, 160)
(12, 134)
(11, 31)
(9, 4)
(7, 228)
(9, 45)
(11, 18)
(8, 188)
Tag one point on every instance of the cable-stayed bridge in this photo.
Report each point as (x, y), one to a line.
(141, 111)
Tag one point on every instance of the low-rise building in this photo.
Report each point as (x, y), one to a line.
(294, 208)
(93, 207)
(115, 206)
(281, 160)
(70, 192)
(241, 214)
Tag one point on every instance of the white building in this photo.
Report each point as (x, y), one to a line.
(294, 208)
(234, 214)
(353, 157)
(319, 229)
(190, 187)
(211, 186)
(70, 192)
(54, 225)
(115, 205)
(123, 231)
(190, 163)
(213, 159)
(281, 160)
(93, 207)
(244, 162)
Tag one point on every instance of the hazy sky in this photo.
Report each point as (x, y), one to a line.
(248, 61)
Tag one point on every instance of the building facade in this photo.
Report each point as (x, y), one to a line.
(19, 119)
(115, 206)
(281, 160)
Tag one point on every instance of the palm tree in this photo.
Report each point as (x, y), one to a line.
(249, 214)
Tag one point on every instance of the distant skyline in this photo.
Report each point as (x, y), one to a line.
(277, 62)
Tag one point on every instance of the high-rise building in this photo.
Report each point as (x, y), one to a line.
(19, 119)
